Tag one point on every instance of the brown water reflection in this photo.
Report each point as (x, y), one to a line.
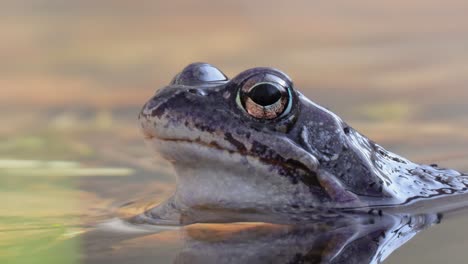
(73, 75)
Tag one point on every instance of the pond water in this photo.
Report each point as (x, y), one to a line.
(73, 76)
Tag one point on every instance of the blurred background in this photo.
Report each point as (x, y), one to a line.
(73, 75)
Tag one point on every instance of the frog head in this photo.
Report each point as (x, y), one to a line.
(255, 142)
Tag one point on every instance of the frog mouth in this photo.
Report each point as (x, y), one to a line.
(151, 137)
(172, 148)
(212, 145)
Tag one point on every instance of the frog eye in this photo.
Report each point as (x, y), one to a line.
(266, 99)
(199, 72)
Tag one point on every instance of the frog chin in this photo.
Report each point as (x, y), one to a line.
(209, 176)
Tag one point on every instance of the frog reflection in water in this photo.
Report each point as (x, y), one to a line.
(252, 147)
(354, 240)
(346, 239)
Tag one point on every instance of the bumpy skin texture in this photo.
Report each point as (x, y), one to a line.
(306, 158)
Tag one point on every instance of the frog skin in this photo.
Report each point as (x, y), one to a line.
(255, 145)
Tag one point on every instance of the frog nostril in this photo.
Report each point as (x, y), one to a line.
(197, 91)
(151, 104)
(153, 108)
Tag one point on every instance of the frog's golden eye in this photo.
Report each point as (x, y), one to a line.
(265, 97)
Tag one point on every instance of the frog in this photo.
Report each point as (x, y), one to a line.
(253, 147)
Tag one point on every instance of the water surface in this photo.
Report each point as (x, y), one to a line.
(73, 76)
